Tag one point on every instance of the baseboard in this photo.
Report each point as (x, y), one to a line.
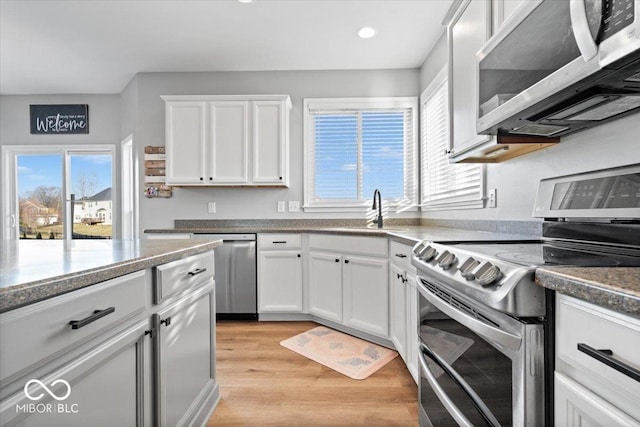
(284, 317)
(206, 406)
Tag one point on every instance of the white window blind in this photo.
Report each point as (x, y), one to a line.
(444, 185)
(356, 146)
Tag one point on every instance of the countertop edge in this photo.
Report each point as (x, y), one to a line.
(23, 294)
(591, 284)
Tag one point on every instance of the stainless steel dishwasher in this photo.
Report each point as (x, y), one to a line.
(235, 275)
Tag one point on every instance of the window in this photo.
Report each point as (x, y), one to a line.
(354, 146)
(62, 183)
(444, 185)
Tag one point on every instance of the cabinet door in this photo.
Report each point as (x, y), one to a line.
(185, 142)
(270, 144)
(185, 352)
(108, 385)
(397, 309)
(467, 34)
(366, 294)
(229, 143)
(575, 406)
(412, 326)
(503, 9)
(280, 281)
(325, 285)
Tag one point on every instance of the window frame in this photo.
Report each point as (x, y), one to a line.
(360, 104)
(10, 197)
(476, 201)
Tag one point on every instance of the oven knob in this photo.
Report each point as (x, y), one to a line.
(428, 254)
(487, 274)
(446, 260)
(466, 269)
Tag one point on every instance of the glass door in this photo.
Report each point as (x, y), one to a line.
(57, 192)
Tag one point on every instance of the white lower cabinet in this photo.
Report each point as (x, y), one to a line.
(185, 357)
(366, 294)
(398, 310)
(325, 285)
(576, 406)
(413, 326)
(280, 273)
(349, 282)
(106, 355)
(589, 391)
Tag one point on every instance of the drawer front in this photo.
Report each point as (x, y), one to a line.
(36, 334)
(577, 323)
(179, 276)
(279, 241)
(400, 254)
(375, 246)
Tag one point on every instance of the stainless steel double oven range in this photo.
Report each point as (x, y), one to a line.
(486, 329)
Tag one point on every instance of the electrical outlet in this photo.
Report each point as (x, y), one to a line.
(211, 207)
(281, 206)
(492, 198)
(294, 206)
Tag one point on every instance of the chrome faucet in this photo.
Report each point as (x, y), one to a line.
(378, 206)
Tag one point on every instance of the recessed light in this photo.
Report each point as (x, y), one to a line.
(245, 1)
(366, 32)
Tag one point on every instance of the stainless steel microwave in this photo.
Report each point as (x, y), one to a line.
(559, 66)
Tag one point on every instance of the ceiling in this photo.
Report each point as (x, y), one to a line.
(97, 46)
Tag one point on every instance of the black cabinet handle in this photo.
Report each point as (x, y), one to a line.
(299, 255)
(166, 321)
(279, 242)
(201, 179)
(404, 280)
(210, 178)
(346, 261)
(606, 357)
(197, 271)
(97, 314)
(401, 255)
(337, 260)
(398, 275)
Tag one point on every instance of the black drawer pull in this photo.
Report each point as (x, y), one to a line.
(606, 357)
(401, 255)
(197, 271)
(337, 260)
(97, 314)
(279, 242)
(346, 261)
(166, 321)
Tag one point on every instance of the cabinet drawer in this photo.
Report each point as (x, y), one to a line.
(400, 254)
(36, 334)
(279, 241)
(375, 246)
(578, 322)
(178, 276)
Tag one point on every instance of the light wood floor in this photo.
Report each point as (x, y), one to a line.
(265, 384)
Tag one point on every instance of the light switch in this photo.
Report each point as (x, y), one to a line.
(281, 206)
(294, 206)
(211, 207)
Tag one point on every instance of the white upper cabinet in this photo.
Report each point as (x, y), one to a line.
(229, 144)
(468, 31)
(227, 140)
(186, 132)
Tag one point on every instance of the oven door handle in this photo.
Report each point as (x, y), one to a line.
(491, 333)
(453, 410)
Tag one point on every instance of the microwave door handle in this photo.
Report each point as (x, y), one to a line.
(580, 24)
(477, 402)
(489, 332)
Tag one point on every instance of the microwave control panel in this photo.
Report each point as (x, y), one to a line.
(616, 15)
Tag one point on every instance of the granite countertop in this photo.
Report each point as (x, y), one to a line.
(407, 234)
(617, 288)
(33, 270)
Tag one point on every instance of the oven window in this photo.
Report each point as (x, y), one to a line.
(484, 368)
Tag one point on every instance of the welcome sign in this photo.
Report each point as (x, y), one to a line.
(59, 119)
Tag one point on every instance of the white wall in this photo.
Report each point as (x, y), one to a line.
(249, 203)
(614, 144)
